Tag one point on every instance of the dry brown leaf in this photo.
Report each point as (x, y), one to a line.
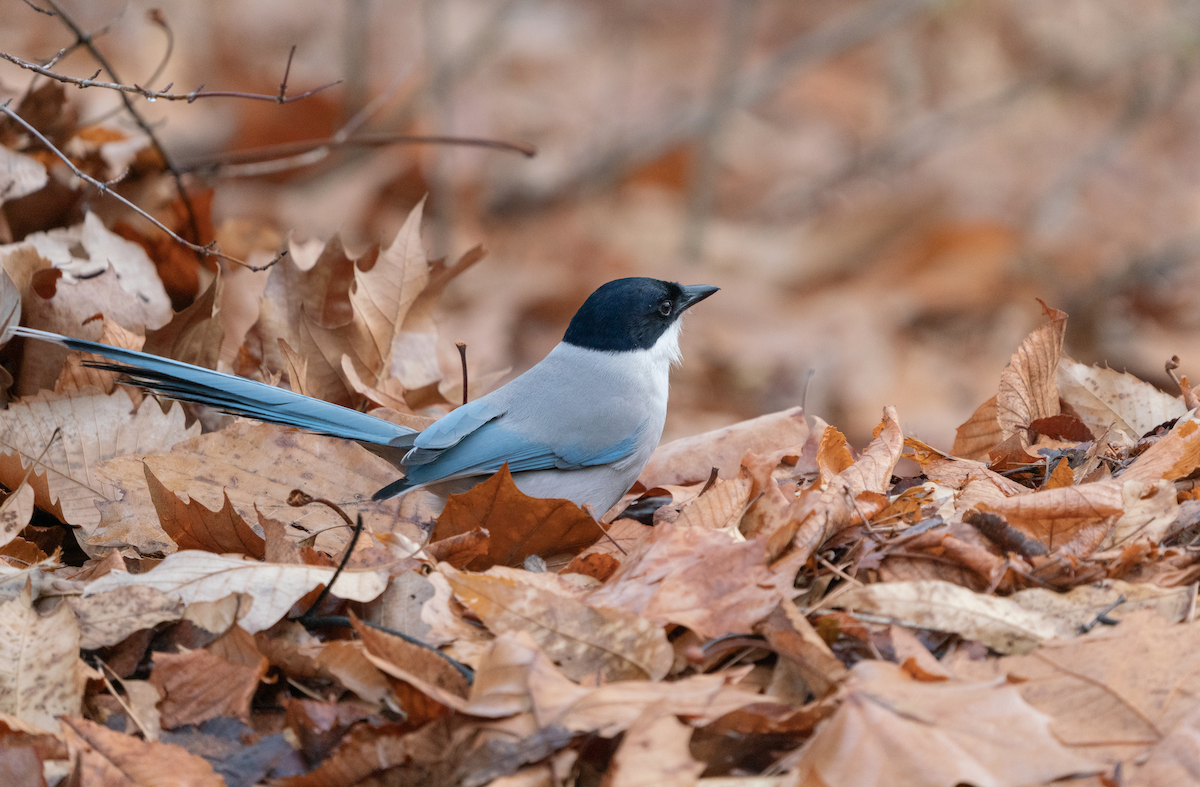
(193, 335)
(1174, 456)
(999, 623)
(192, 576)
(822, 513)
(794, 639)
(611, 708)
(501, 685)
(980, 433)
(1027, 388)
(192, 526)
(421, 668)
(719, 508)
(691, 460)
(347, 663)
(77, 377)
(1055, 516)
(199, 685)
(368, 751)
(255, 464)
(655, 752)
(707, 580)
(581, 638)
(518, 525)
(41, 675)
(833, 454)
(94, 428)
(1106, 398)
(909, 733)
(107, 618)
(110, 758)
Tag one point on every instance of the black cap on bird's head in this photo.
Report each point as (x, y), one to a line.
(632, 314)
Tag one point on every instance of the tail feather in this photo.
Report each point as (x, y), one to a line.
(235, 395)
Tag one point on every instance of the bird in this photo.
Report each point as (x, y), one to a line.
(579, 425)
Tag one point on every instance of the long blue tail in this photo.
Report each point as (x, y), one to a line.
(240, 396)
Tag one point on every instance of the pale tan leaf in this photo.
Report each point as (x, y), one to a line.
(872, 471)
(107, 618)
(611, 708)
(20, 175)
(581, 638)
(1173, 456)
(691, 459)
(41, 676)
(1069, 612)
(909, 733)
(707, 580)
(192, 576)
(1055, 516)
(15, 513)
(1149, 509)
(256, 464)
(348, 664)
(94, 428)
(999, 623)
(980, 433)
(1106, 398)
(655, 752)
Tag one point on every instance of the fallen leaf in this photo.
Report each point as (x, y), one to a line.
(517, 525)
(583, 639)
(41, 676)
(93, 429)
(192, 526)
(1027, 385)
(107, 618)
(691, 459)
(107, 757)
(704, 579)
(999, 623)
(655, 751)
(1106, 398)
(905, 732)
(191, 576)
(199, 685)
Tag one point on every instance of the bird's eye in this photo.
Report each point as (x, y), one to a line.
(665, 307)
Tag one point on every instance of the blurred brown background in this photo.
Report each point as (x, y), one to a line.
(882, 189)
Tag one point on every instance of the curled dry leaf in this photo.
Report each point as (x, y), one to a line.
(419, 667)
(910, 733)
(1027, 385)
(41, 675)
(15, 513)
(583, 639)
(192, 576)
(999, 623)
(1055, 516)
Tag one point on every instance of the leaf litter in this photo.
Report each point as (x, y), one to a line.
(1015, 611)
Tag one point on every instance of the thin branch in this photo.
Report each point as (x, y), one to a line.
(161, 95)
(86, 40)
(157, 17)
(106, 189)
(271, 159)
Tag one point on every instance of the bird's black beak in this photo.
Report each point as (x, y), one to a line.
(694, 293)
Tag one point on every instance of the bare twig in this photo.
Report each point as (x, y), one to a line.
(271, 159)
(462, 356)
(106, 189)
(87, 41)
(160, 95)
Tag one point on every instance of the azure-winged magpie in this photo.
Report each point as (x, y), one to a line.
(579, 425)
